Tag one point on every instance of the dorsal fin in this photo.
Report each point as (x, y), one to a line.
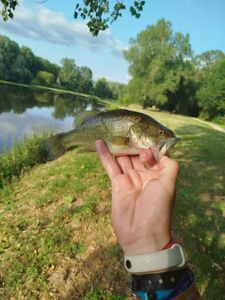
(82, 117)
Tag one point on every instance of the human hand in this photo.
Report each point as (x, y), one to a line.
(142, 199)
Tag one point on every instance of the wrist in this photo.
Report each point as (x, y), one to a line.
(148, 244)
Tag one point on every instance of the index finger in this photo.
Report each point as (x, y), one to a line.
(109, 163)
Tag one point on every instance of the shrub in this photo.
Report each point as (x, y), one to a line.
(24, 155)
(219, 120)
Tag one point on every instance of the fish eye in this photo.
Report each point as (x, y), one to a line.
(160, 131)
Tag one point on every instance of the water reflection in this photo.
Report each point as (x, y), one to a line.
(23, 111)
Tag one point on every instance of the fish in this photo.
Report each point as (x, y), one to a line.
(125, 132)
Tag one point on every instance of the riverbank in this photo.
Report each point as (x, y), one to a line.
(56, 239)
(22, 157)
(55, 90)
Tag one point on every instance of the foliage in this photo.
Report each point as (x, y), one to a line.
(101, 13)
(68, 73)
(158, 60)
(205, 61)
(22, 157)
(8, 6)
(102, 89)
(19, 64)
(44, 78)
(211, 94)
(183, 99)
(75, 78)
(166, 75)
(219, 119)
(85, 83)
(119, 90)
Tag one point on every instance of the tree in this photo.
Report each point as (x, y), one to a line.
(9, 51)
(69, 73)
(158, 61)
(31, 61)
(99, 13)
(74, 77)
(45, 78)
(85, 83)
(42, 64)
(20, 64)
(102, 89)
(211, 95)
(118, 89)
(19, 72)
(183, 99)
(207, 59)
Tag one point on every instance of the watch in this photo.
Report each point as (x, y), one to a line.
(156, 261)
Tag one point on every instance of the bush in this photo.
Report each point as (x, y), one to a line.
(219, 120)
(21, 157)
(44, 78)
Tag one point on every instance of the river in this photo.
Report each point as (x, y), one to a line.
(24, 111)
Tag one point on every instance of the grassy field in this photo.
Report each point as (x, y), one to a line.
(56, 239)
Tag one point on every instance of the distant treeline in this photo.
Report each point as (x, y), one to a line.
(164, 73)
(19, 64)
(18, 99)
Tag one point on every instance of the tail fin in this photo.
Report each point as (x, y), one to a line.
(54, 147)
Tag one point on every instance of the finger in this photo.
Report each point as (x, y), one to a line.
(109, 163)
(169, 169)
(125, 163)
(139, 166)
(146, 156)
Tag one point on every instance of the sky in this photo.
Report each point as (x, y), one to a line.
(50, 30)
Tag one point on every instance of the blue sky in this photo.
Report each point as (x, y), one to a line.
(51, 32)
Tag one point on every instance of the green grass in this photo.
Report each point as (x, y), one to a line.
(56, 238)
(24, 155)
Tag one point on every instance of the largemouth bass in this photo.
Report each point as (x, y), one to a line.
(124, 132)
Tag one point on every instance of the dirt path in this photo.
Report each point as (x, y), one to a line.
(214, 126)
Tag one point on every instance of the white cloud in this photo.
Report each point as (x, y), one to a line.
(43, 24)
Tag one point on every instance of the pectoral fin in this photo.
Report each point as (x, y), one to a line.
(121, 146)
(120, 141)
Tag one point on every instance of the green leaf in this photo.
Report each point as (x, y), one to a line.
(132, 10)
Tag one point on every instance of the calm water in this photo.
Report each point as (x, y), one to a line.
(24, 111)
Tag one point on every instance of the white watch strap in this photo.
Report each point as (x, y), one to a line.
(157, 261)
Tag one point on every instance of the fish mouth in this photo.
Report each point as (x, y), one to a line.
(164, 148)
